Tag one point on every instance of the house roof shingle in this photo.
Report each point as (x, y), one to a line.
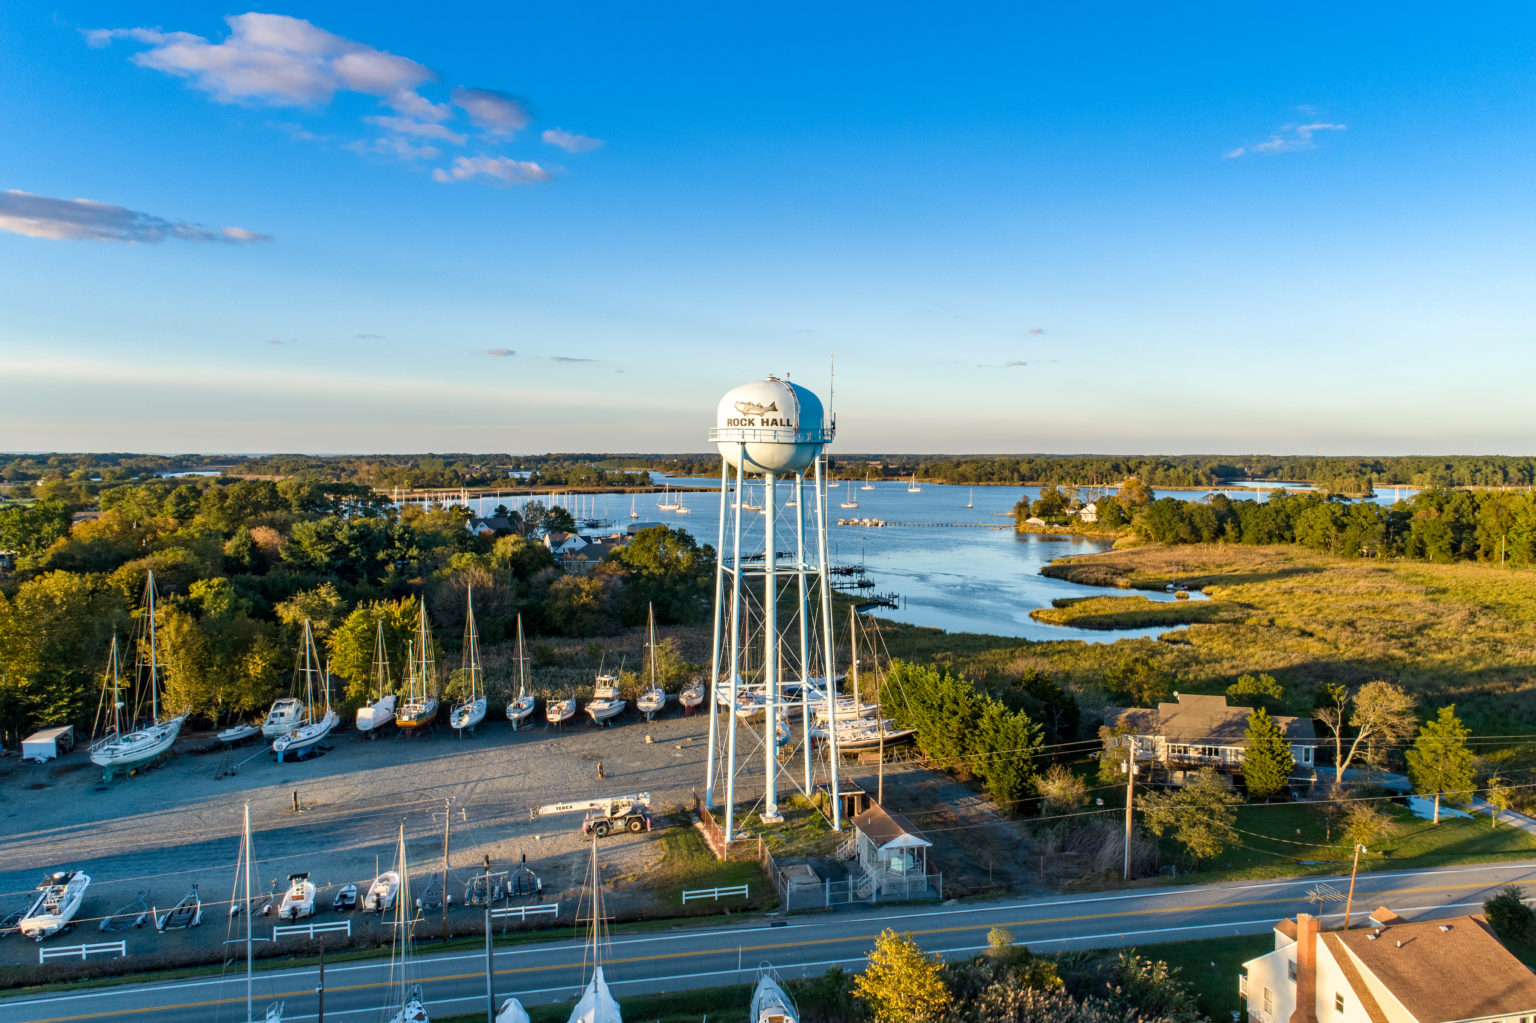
(884, 828)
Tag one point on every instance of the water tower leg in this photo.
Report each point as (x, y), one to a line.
(770, 814)
(829, 662)
(712, 705)
(805, 633)
(733, 677)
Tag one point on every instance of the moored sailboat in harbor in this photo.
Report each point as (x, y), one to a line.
(318, 718)
(130, 741)
(471, 711)
(373, 716)
(520, 707)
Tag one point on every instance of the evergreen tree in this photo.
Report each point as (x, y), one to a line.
(1439, 763)
(1267, 762)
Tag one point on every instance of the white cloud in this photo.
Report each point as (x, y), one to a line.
(1291, 138)
(497, 112)
(499, 351)
(1037, 330)
(570, 142)
(499, 169)
(401, 149)
(406, 126)
(42, 216)
(414, 104)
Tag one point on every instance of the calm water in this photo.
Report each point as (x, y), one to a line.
(956, 578)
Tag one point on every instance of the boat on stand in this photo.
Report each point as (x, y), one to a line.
(471, 711)
(770, 1004)
(130, 741)
(420, 707)
(373, 716)
(380, 897)
(55, 905)
(520, 707)
(411, 1002)
(605, 704)
(558, 712)
(316, 724)
(299, 899)
(691, 695)
(654, 700)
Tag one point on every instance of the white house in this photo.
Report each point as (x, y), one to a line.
(561, 543)
(893, 852)
(1089, 512)
(1451, 970)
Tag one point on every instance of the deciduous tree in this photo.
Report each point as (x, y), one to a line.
(901, 984)
(1381, 713)
(1199, 816)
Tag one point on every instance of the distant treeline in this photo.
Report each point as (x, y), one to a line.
(1437, 524)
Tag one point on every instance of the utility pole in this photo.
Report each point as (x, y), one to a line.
(1130, 794)
(320, 987)
(447, 822)
(490, 964)
(1349, 904)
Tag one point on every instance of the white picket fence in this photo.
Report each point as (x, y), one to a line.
(715, 893)
(310, 930)
(82, 951)
(524, 912)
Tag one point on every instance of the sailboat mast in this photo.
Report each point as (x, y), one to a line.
(522, 661)
(154, 679)
(117, 692)
(245, 853)
(650, 610)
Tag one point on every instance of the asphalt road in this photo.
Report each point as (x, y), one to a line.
(807, 944)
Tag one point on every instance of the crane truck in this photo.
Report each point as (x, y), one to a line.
(606, 814)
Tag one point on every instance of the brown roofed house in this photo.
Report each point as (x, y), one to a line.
(1181, 737)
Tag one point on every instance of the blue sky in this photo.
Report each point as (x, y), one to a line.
(1046, 228)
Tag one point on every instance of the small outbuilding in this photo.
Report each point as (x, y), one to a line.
(47, 744)
(890, 847)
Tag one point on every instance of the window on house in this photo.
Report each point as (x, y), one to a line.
(1242, 984)
(1338, 1001)
(1290, 970)
(1269, 1001)
(1306, 754)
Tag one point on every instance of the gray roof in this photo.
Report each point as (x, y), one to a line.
(1203, 719)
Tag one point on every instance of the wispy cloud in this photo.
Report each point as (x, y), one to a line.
(571, 142)
(281, 61)
(499, 351)
(1290, 138)
(42, 216)
(501, 170)
(368, 337)
(273, 341)
(569, 358)
(1037, 330)
(1014, 363)
(493, 110)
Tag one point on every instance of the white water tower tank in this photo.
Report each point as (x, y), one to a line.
(782, 425)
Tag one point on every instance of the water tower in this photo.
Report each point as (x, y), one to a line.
(767, 631)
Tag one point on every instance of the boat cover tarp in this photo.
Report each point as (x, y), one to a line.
(596, 1005)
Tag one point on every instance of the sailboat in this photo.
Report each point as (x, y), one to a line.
(970, 502)
(913, 487)
(680, 508)
(605, 703)
(274, 1012)
(558, 712)
(521, 706)
(852, 499)
(411, 1008)
(312, 728)
(381, 712)
(747, 503)
(116, 751)
(691, 695)
(654, 700)
(472, 711)
(769, 1002)
(596, 1004)
(632, 513)
(867, 484)
(420, 707)
(667, 502)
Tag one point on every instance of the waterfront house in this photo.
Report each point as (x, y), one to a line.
(1089, 512)
(561, 543)
(585, 558)
(1179, 738)
(1427, 971)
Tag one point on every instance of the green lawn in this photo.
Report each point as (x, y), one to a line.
(687, 863)
(1286, 839)
(1210, 967)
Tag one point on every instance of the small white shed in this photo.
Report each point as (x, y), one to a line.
(48, 743)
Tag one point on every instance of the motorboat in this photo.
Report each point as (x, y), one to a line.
(769, 1002)
(299, 899)
(283, 718)
(521, 706)
(131, 740)
(471, 710)
(313, 727)
(58, 900)
(238, 732)
(380, 897)
(373, 716)
(605, 704)
(345, 900)
(558, 712)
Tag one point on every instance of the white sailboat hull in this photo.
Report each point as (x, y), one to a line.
(771, 1005)
(411, 1012)
(238, 733)
(652, 702)
(467, 715)
(303, 739)
(135, 749)
(596, 1004)
(520, 709)
(557, 712)
(511, 1011)
(376, 715)
(691, 696)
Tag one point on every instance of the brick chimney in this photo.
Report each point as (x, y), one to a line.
(1306, 969)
